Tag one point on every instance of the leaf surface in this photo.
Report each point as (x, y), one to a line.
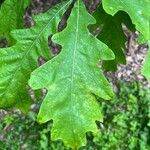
(138, 10)
(146, 67)
(11, 15)
(111, 33)
(18, 61)
(74, 79)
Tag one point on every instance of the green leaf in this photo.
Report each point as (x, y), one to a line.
(138, 10)
(146, 67)
(112, 34)
(18, 61)
(11, 16)
(73, 80)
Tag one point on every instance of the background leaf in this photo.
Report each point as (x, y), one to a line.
(18, 61)
(73, 80)
(11, 16)
(138, 10)
(146, 67)
(112, 34)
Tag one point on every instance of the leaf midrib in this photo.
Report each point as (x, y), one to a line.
(73, 70)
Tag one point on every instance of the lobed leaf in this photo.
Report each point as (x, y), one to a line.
(138, 10)
(112, 34)
(18, 61)
(11, 16)
(73, 79)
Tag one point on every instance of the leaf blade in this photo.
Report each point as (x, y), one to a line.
(112, 34)
(138, 10)
(11, 16)
(73, 79)
(18, 61)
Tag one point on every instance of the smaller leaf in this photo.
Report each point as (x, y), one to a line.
(146, 67)
(138, 10)
(112, 34)
(11, 16)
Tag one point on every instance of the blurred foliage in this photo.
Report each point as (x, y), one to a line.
(126, 125)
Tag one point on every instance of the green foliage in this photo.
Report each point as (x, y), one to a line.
(74, 76)
(112, 34)
(20, 131)
(126, 125)
(138, 10)
(24, 133)
(11, 16)
(145, 69)
(18, 61)
(126, 121)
